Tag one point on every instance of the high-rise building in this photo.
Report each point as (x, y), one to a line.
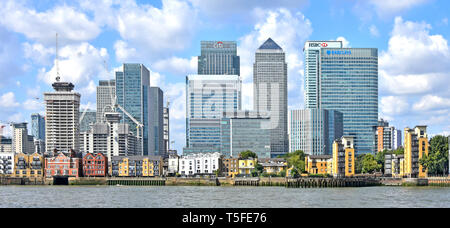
(270, 92)
(397, 139)
(87, 117)
(38, 126)
(21, 141)
(106, 92)
(207, 97)
(345, 80)
(314, 130)
(133, 95)
(245, 130)
(218, 58)
(111, 138)
(62, 126)
(386, 137)
(416, 147)
(166, 117)
(156, 123)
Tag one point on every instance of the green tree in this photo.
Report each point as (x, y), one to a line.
(369, 164)
(297, 161)
(247, 154)
(358, 163)
(259, 169)
(437, 160)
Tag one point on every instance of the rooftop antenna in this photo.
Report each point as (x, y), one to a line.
(58, 78)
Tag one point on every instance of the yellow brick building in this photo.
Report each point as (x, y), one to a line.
(137, 166)
(28, 165)
(343, 157)
(416, 147)
(319, 164)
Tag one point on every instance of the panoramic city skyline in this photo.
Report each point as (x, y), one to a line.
(412, 47)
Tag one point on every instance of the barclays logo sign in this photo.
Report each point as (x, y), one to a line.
(329, 52)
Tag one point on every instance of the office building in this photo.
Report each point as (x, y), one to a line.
(133, 95)
(218, 58)
(62, 126)
(110, 138)
(386, 137)
(270, 92)
(343, 157)
(87, 118)
(21, 141)
(156, 122)
(5, 145)
(166, 128)
(38, 126)
(207, 97)
(313, 131)
(344, 80)
(416, 147)
(245, 130)
(106, 93)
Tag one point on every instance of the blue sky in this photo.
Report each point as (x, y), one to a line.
(411, 35)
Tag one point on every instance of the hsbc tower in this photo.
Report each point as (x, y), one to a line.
(344, 80)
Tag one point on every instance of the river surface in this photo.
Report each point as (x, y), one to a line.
(220, 197)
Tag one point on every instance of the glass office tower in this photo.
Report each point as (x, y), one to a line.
(345, 80)
(270, 92)
(218, 58)
(156, 122)
(207, 97)
(314, 130)
(38, 126)
(133, 94)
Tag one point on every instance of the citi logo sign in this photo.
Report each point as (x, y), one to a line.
(218, 44)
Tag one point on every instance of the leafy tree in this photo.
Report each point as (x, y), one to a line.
(380, 156)
(297, 161)
(247, 154)
(358, 163)
(369, 164)
(259, 169)
(437, 159)
(283, 173)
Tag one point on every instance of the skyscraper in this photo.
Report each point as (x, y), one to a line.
(106, 92)
(133, 95)
(314, 130)
(166, 117)
(345, 80)
(156, 123)
(38, 126)
(207, 97)
(21, 141)
(87, 118)
(62, 126)
(270, 92)
(218, 58)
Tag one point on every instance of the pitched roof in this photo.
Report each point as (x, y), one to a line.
(270, 44)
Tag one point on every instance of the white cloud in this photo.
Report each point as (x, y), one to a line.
(33, 105)
(415, 62)
(177, 66)
(389, 7)
(38, 53)
(374, 31)
(8, 101)
(431, 102)
(345, 42)
(393, 105)
(155, 31)
(78, 64)
(72, 25)
(290, 31)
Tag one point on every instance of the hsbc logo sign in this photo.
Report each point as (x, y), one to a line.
(323, 45)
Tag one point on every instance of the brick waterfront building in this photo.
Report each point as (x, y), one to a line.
(95, 165)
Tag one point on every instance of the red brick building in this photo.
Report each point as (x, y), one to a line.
(62, 165)
(95, 165)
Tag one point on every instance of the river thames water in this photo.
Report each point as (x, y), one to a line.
(220, 197)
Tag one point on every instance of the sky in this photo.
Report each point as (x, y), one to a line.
(97, 37)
